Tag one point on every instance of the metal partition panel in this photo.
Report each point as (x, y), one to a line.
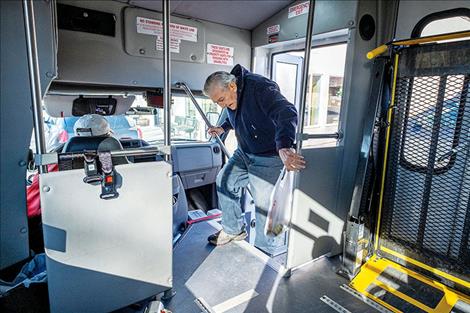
(106, 254)
(16, 122)
(426, 197)
(316, 226)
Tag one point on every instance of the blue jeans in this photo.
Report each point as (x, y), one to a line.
(261, 172)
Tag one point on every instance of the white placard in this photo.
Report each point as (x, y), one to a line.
(273, 29)
(217, 54)
(153, 27)
(174, 44)
(299, 9)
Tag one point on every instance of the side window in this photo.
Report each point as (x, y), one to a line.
(324, 93)
(186, 122)
(450, 21)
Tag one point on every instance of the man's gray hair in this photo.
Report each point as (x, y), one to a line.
(221, 79)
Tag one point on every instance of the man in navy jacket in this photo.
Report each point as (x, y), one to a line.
(265, 126)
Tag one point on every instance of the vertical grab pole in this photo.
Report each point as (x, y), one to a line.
(166, 72)
(305, 68)
(302, 105)
(168, 294)
(34, 78)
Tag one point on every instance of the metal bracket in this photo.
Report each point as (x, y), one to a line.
(334, 305)
(364, 299)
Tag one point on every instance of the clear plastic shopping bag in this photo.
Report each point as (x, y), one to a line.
(279, 210)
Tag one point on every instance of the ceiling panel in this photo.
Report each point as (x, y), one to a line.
(242, 14)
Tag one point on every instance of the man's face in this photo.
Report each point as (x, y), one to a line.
(225, 97)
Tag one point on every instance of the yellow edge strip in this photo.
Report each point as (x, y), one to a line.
(447, 302)
(427, 267)
(416, 41)
(421, 278)
(384, 171)
(403, 296)
(375, 267)
(450, 297)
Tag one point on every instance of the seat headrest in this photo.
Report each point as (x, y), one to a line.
(98, 143)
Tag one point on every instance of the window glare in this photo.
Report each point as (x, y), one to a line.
(325, 89)
(447, 25)
(186, 122)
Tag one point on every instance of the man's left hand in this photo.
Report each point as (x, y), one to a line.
(292, 160)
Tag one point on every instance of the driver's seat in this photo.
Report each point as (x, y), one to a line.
(95, 143)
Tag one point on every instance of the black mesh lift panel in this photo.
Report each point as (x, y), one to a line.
(426, 208)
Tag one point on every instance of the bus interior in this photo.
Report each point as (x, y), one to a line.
(380, 217)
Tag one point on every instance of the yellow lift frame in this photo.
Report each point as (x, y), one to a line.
(376, 265)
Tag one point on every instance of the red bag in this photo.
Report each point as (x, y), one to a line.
(33, 196)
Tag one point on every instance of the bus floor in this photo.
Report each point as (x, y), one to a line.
(234, 278)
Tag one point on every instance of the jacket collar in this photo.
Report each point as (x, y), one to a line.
(240, 73)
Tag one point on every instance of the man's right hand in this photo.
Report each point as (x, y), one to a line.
(213, 131)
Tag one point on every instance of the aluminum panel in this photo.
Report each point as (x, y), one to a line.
(86, 58)
(119, 249)
(329, 16)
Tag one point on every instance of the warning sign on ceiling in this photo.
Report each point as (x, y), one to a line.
(153, 27)
(273, 29)
(299, 9)
(219, 54)
(174, 44)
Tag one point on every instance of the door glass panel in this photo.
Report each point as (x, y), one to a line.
(286, 74)
(324, 92)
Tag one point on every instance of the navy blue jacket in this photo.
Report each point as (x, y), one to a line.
(264, 120)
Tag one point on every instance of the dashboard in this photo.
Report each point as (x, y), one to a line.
(197, 163)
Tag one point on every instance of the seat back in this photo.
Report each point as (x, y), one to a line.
(98, 143)
(114, 252)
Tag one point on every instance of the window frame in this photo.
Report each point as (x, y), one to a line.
(334, 41)
(425, 21)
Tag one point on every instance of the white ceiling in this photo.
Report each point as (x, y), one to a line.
(242, 14)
